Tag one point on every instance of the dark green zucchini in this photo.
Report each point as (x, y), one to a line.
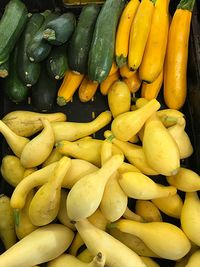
(4, 69)
(38, 49)
(44, 92)
(29, 71)
(15, 90)
(57, 63)
(11, 26)
(80, 42)
(103, 43)
(59, 30)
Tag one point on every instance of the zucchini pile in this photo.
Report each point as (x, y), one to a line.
(137, 42)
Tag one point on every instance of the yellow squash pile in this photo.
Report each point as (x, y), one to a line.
(72, 190)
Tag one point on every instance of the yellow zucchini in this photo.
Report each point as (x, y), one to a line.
(125, 72)
(175, 71)
(155, 50)
(70, 84)
(87, 89)
(106, 84)
(151, 90)
(133, 82)
(140, 29)
(123, 32)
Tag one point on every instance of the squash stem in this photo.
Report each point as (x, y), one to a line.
(153, 1)
(186, 5)
(49, 35)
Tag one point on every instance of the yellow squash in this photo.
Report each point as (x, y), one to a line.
(70, 84)
(106, 84)
(140, 29)
(119, 98)
(42, 245)
(151, 90)
(175, 71)
(87, 89)
(154, 236)
(123, 32)
(26, 123)
(116, 253)
(72, 131)
(133, 82)
(154, 54)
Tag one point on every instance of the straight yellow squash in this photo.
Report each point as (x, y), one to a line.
(123, 32)
(140, 30)
(155, 50)
(175, 71)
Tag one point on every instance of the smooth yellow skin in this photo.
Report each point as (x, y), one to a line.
(45, 204)
(130, 215)
(119, 98)
(148, 211)
(12, 169)
(154, 234)
(172, 205)
(71, 131)
(54, 156)
(98, 220)
(139, 33)
(129, 123)
(160, 148)
(175, 74)
(39, 148)
(139, 186)
(194, 259)
(123, 32)
(190, 217)
(85, 256)
(90, 190)
(155, 50)
(116, 253)
(185, 180)
(151, 90)
(114, 200)
(127, 167)
(24, 226)
(42, 245)
(72, 261)
(169, 117)
(87, 149)
(78, 169)
(182, 139)
(7, 224)
(15, 142)
(132, 242)
(133, 153)
(150, 262)
(62, 212)
(37, 178)
(26, 123)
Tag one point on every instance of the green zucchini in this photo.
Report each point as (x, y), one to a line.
(57, 63)
(44, 92)
(101, 54)
(29, 71)
(11, 26)
(80, 42)
(59, 30)
(4, 69)
(38, 49)
(15, 90)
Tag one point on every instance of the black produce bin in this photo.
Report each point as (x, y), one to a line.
(83, 112)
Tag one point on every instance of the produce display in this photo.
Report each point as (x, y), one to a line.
(126, 199)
